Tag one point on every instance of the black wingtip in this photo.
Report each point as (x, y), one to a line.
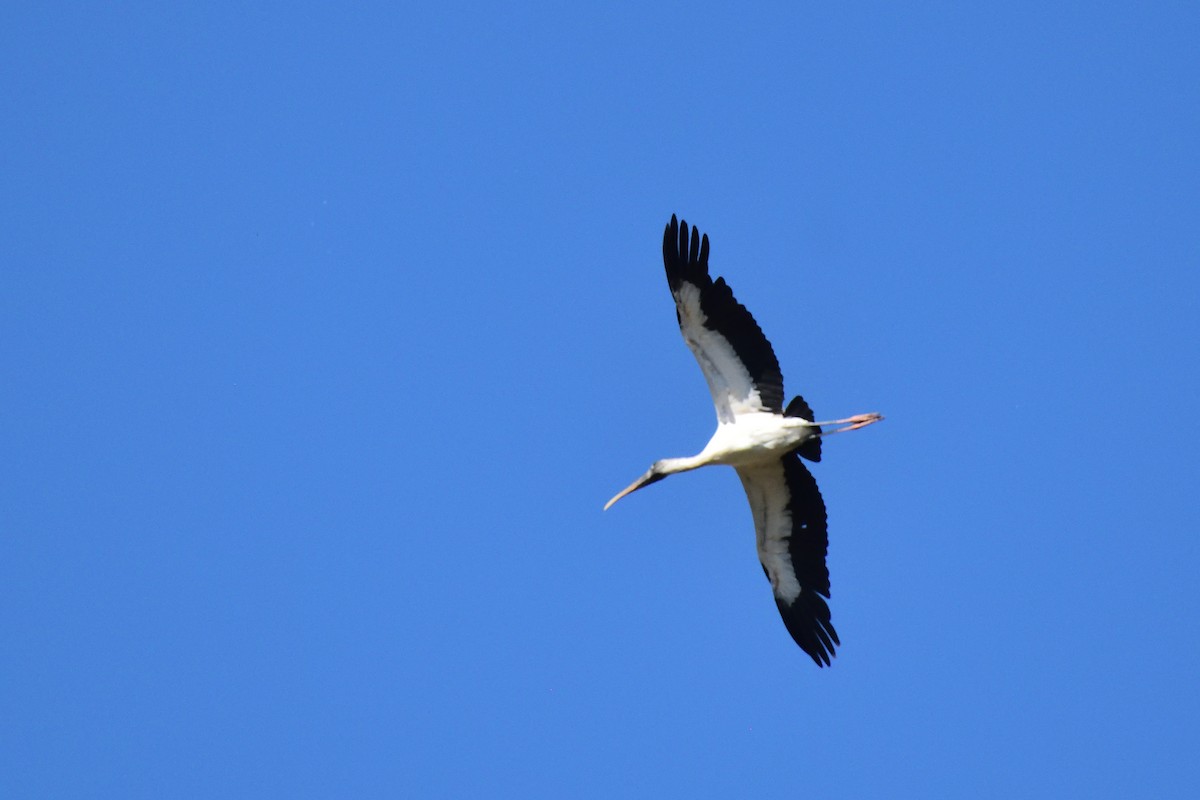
(685, 254)
(683, 243)
(808, 621)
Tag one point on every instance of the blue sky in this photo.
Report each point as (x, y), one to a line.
(327, 330)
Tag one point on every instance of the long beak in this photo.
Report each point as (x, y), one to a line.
(647, 479)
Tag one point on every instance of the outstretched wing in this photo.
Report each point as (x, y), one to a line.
(734, 355)
(793, 539)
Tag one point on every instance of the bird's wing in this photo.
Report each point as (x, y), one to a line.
(789, 523)
(736, 358)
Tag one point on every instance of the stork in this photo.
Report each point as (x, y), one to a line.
(757, 436)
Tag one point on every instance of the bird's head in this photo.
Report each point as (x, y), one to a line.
(655, 473)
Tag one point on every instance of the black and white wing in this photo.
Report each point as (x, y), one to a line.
(736, 358)
(790, 527)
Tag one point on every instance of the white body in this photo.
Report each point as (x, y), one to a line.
(759, 437)
(755, 438)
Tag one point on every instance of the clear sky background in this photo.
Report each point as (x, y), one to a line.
(327, 330)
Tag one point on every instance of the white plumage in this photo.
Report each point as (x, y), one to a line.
(758, 437)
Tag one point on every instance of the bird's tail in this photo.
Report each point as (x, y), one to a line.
(811, 449)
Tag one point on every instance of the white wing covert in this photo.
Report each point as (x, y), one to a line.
(737, 360)
(793, 541)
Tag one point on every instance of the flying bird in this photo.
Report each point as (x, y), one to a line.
(759, 437)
